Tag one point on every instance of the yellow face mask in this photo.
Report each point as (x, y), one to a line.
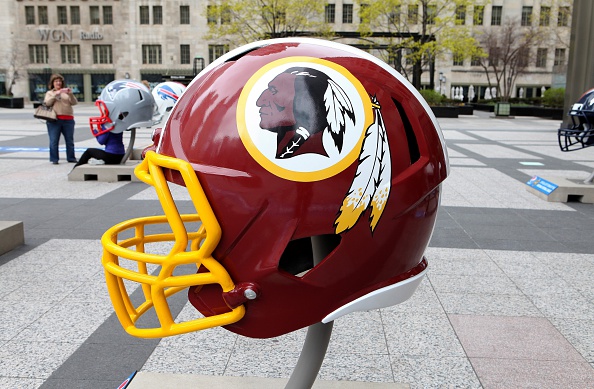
(158, 287)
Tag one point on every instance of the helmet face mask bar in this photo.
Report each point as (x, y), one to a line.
(314, 170)
(156, 289)
(581, 133)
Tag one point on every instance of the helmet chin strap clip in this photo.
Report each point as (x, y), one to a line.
(242, 293)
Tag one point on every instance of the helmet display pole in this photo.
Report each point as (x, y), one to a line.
(130, 147)
(317, 338)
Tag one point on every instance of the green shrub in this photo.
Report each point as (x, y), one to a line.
(431, 96)
(554, 97)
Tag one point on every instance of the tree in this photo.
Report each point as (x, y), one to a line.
(244, 21)
(13, 63)
(418, 31)
(507, 53)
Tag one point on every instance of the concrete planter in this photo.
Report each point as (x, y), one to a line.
(502, 109)
(12, 102)
(446, 112)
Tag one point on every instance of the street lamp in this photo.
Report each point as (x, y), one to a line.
(442, 79)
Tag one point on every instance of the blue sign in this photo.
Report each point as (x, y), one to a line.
(542, 185)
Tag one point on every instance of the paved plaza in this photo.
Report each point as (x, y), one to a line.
(508, 301)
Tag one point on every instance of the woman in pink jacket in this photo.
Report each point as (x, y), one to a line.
(61, 100)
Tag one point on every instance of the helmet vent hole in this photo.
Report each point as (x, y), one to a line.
(298, 257)
(413, 145)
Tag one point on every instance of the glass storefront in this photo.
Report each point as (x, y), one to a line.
(75, 82)
(98, 82)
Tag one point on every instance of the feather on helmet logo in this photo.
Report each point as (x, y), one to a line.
(307, 119)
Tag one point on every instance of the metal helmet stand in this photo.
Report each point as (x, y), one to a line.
(317, 338)
(130, 146)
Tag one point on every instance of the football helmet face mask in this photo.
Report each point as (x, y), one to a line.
(123, 104)
(166, 95)
(315, 172)
(580, 134)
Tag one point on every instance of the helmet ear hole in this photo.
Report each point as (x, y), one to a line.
(298, 257)
(122, 115)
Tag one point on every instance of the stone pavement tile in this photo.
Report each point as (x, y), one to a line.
(419, 334)
(488, 304)
(532, 374)
(465, 162)
(33, 359)
(370, 341)
(578, 332)
(498, 284)
(516, 136)
(21, 383)
(351, 366)
(192, 359)
(443, 372)
(496, 151)
(501, 337)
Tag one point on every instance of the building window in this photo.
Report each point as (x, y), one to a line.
(225, 16)
(29, 14)
(559, 57)
(330, 13)
(458, 60)
(523, 55)
(102, 54)
(107, 14)
(475, 61)
(394, 16)
(347, 13)
(70, 53)
(431, 13)
(545, 16)
(479, 15)
(461, 15)
(151, 54)
(157, 14)
(563, 18)
(526, 16)
(215, 51)
(413, 13)
(184, 14)
(541, 58)
(42, 14)
(38, 53)
(74, 14)
(144, 14)
(496, 12)
(94, 14)
(211, 15)
(184, 54)
(362, 11)
(62, 15)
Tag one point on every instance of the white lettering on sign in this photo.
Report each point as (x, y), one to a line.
(49, 34)
(55, 35)
(95, 35)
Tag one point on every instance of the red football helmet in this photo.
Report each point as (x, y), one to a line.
(315, 170)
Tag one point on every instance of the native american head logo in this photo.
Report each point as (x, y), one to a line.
(307, 119)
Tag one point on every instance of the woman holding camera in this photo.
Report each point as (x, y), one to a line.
(61, 100)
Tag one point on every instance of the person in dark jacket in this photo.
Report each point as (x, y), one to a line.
(113, 153)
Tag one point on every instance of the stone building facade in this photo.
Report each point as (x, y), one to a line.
(92, 42)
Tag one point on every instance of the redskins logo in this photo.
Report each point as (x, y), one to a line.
(307, 119)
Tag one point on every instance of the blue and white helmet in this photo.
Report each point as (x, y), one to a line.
(166, 95)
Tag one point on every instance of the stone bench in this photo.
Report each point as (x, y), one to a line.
(12, 235)
(105, 173)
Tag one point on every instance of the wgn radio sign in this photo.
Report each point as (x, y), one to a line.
(55, 35)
